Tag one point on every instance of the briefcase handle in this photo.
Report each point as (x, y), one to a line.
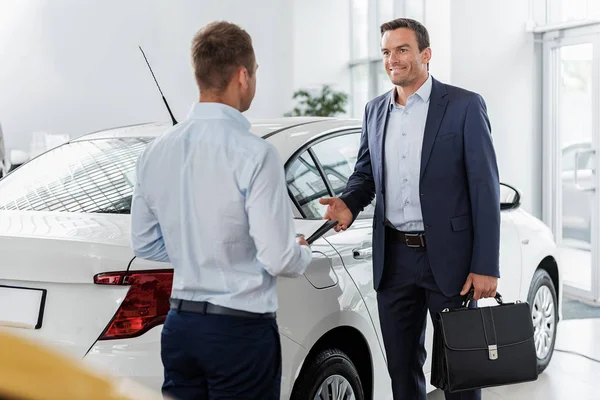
(469, 298)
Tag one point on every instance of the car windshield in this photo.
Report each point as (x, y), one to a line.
(93, 176)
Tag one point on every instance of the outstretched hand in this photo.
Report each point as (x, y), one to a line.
(337, 211)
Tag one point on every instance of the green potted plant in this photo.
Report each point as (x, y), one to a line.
(327, 103)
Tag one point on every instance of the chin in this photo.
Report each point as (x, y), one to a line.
(400, 82)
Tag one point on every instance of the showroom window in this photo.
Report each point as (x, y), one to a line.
(89, 176)
(367, 75)
(559, 11)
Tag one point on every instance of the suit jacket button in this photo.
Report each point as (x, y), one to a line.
(382, 191)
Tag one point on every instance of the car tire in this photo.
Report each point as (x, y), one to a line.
(323, 372)
(544, 312)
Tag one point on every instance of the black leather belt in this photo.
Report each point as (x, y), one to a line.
(202, 307)
(411, 239)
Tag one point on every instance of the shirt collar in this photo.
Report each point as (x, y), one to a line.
(218, 111)
(424, 92)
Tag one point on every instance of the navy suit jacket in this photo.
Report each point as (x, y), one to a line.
(459, 186)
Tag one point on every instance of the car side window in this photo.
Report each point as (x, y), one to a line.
(90, 176)
(337, 157)
(306, 186)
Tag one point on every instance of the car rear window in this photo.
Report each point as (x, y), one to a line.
(91, 176)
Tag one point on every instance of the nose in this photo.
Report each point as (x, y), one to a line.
(393, 57)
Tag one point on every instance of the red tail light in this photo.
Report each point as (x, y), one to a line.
(145, 306)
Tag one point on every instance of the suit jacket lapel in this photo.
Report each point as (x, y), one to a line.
(437, 108)
(381, 125)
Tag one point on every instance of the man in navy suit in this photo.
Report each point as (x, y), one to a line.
(426, 155)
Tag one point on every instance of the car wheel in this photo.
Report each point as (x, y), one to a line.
(329, 375)
(544, 305)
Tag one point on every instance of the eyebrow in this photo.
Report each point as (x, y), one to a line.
(398, 47)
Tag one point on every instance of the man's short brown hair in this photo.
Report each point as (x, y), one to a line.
(415, 26)
(218, 50)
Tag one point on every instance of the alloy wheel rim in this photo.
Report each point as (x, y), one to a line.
(335, 387)
(544, 321)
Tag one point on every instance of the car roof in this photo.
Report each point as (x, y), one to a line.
(286, 133)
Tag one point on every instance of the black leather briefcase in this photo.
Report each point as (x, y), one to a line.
(475, 348)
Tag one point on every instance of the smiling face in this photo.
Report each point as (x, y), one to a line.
(403, 61)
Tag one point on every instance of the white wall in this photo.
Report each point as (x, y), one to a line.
(70, 66)
(492, 54)
(321, 44)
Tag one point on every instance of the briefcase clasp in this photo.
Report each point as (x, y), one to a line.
(493, 352)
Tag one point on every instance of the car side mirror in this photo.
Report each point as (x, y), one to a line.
(510, 198)
(18, 158)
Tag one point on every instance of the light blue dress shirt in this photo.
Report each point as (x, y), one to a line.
(403, 144)
(211, 198)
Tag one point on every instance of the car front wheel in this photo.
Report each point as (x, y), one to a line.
(544, 305)
(330, 375)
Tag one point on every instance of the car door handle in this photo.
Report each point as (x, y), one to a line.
(362, 254)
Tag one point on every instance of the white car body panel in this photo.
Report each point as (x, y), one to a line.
(537, 243)
(335, 293)
(62, 252)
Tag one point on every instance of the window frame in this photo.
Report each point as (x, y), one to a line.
(297, 209)
(307, 148)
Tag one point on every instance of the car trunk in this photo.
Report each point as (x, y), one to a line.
(47, 271)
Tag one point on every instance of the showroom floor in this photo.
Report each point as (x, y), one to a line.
(569, 376)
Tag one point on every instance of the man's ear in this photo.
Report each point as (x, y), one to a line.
(243, 77)
(426, 55)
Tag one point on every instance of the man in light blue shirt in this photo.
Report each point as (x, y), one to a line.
(403, 144)
(211, 199)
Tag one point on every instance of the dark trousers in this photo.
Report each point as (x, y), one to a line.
(407, 291)
(220, 357)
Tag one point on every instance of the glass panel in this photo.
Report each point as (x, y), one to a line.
(307, 186)
(414, 9)
(338, 156)
(572, 10)
(574, 109)
(360, 89)
(88, 176)
(383, 80)
(386, 11)
(360, 29)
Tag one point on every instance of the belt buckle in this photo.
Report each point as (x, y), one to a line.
(412, 235)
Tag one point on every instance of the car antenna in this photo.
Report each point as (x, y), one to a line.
(158, 86)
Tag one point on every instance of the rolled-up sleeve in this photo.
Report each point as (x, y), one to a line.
(271, 220)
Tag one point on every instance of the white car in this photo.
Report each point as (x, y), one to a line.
(69, 277)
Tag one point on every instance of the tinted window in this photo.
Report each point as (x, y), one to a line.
(338, 156)
(306, 186)
(89, 176)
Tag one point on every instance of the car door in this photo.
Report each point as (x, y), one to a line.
(336, 156)
(306, 186)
